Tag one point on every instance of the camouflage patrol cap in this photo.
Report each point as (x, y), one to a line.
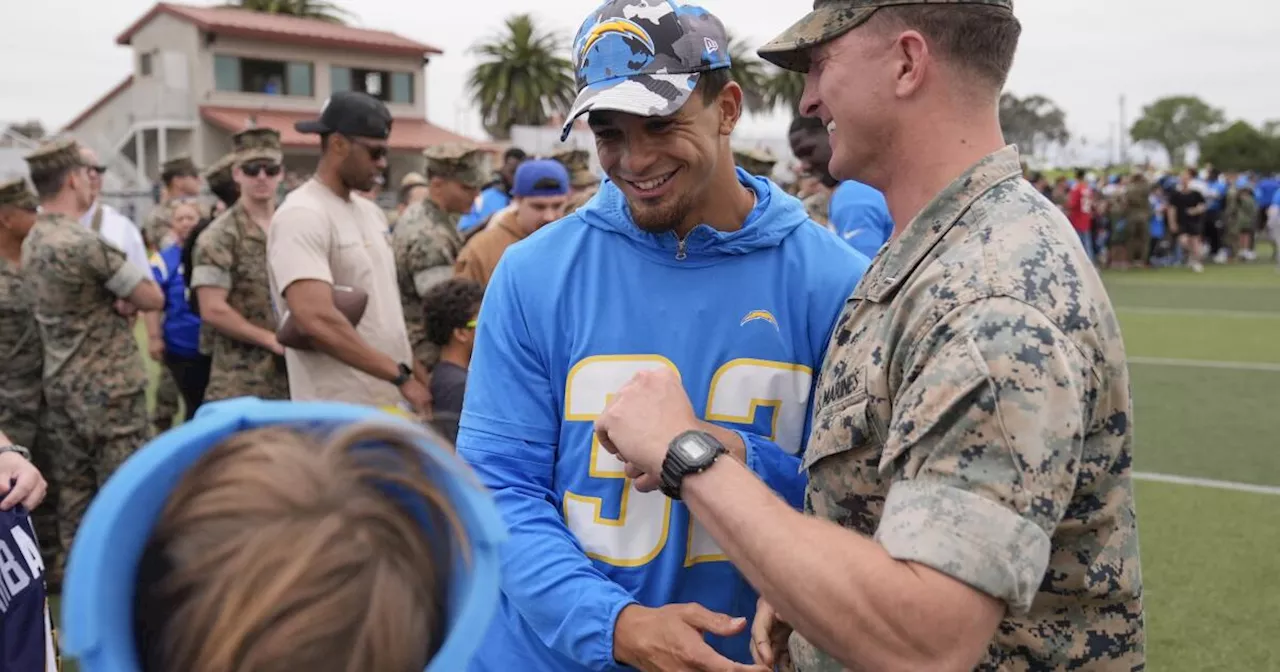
(463, 163)
(54, 156)
(257, 144)
(644, 57)
(831, 19)
(15, 193)
(220, 171)
(413, 180)
(578, 163)
(180, 165)
(755, 161)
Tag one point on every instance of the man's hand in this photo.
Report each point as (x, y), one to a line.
(20, 482)
(155, 348)
(125, 309)
(418, 396)
(273, 345)
(641, 420)
(769, 634)
(669, 639)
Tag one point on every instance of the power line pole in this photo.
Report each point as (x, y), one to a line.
(1124, 133)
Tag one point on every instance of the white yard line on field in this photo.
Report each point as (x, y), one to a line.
(1207, 483)
(1206, 364)
(1198, 312)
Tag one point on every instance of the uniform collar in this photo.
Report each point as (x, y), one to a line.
(905, 252)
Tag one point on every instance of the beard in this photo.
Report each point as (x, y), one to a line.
(663, 216)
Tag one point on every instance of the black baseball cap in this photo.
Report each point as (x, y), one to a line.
(353, 114)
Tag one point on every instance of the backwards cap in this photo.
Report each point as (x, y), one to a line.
(102, 568)
(644, 57)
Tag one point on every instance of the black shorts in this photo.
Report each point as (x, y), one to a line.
(1262, 218)
(1191, 227)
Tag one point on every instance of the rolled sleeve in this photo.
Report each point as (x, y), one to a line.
(125, 280)
(984, 447)
(425, 280)
(298, 246)
(210, 276)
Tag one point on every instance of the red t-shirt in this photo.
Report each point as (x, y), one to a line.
(1080, 207)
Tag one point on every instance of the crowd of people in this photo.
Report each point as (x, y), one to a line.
(1190, 217)
(713, 433)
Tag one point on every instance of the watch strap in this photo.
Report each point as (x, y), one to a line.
(676, 466)
(406, 373)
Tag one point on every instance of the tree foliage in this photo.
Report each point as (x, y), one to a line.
(323, 10)
(1241, 147)
(1032, 123)
(32, 129)
(1176, 124)
(783, 89)
(523, 77)
(748, 70)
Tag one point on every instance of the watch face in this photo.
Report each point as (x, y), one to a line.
(695, 450)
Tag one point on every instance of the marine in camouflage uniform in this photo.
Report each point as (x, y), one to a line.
(21, 383)
(584, 181)
(984, 383)
(755, 161)
(973, 412)
(94, 379)
(1240, 216)
(426, 241)
(818, 206)
(231, 254)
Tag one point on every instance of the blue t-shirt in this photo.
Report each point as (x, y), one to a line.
(1157, 216)
(860, 216)
(1266, 191)
(27, 642)
(487, 204)
(181, 325)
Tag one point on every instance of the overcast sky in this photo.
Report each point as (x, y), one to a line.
(59, 56)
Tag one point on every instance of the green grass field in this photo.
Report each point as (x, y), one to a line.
(1204, 355)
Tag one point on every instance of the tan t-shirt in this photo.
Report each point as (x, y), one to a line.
(315, 235)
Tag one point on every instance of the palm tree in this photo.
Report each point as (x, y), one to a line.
(523, 78)
(323, 10)
(783, 88)
(748, 71)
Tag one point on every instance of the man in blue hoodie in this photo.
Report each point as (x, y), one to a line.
(681, 261)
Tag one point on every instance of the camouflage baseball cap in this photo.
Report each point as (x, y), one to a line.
(644, 57)
(578, 163)
(831, 19)
(53, 156)
(16, 193)
(468, 165)
(257, 144)
(220, 171)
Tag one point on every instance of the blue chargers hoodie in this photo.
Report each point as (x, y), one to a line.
(570, 315)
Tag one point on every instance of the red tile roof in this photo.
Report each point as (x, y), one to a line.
(106, 98)
(290, 29)
(406, 133)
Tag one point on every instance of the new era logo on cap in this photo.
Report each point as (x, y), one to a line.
(644, 56)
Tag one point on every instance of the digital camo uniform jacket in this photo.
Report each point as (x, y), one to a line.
(94, 379)
(818, 206)
(426, 244)
(973, 415)
(232, 254)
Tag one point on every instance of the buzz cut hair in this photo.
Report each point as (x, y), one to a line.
(981, 39)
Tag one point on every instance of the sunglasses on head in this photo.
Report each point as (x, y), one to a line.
(255, 169)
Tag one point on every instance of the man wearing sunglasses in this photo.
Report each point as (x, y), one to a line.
(324, 235)
(106, 221)
(229, 276)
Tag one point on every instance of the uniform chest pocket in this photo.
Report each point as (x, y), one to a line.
(847, 428)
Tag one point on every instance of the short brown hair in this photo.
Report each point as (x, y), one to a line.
(979, 38)
(286, 550)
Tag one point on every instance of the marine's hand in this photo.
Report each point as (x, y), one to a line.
(20, 482)
(670, 639)
(769, 634)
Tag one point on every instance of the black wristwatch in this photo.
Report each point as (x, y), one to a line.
(406, 374)
(690, 453)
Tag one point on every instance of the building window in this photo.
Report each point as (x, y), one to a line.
(144, 64)
(402, 88)
(389, 87)
(273, 78)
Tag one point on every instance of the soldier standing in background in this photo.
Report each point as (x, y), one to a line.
(755, 161)
(426, 241)
(95, 384)
(221, 183)
(413, 190)
(21, 383)
(229, 278)
(584, 181)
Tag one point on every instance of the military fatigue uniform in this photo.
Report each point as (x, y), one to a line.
(973, 415)
(585, 183)
(21, 384)
(95, 383)
(232, 254)
(818, 206)
(1133, 214)
(426, 242)
(1241, 214)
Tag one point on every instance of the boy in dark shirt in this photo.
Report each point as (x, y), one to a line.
(451, 308)
(1189, 207)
